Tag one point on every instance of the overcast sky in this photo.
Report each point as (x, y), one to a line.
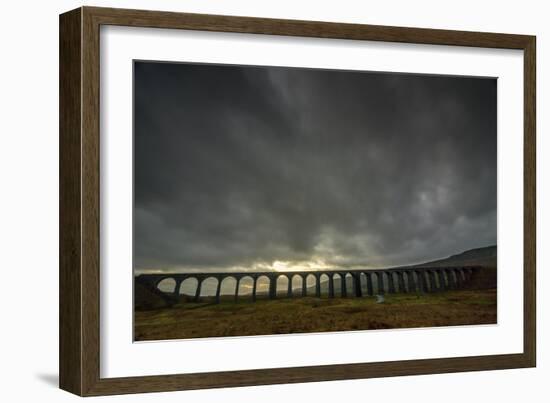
(242, 167)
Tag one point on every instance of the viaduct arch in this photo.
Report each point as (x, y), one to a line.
(402, 280)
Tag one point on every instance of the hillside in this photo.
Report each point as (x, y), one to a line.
(486, 256)
(149, 298)
(305, 315)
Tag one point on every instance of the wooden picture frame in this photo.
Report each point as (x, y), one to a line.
(79, 201)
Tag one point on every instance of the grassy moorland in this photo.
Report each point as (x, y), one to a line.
(301, 315)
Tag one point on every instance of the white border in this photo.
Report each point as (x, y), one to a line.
(120, 357)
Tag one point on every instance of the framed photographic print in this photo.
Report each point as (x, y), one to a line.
(249, 201)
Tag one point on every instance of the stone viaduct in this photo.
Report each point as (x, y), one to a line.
(405, 280)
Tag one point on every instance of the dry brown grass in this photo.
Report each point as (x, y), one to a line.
(304, 315)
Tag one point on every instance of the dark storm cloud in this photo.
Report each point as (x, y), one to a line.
(236, 166)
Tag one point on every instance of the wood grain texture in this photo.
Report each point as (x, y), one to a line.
(530, 203)
(79, 201)
(70, 278)
(90, 201)
(317, 29)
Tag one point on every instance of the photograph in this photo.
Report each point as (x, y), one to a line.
(281, 200)
(251, 199)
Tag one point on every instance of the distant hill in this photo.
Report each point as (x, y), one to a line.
(486, 256)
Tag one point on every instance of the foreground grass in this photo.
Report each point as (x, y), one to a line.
(301, 315)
